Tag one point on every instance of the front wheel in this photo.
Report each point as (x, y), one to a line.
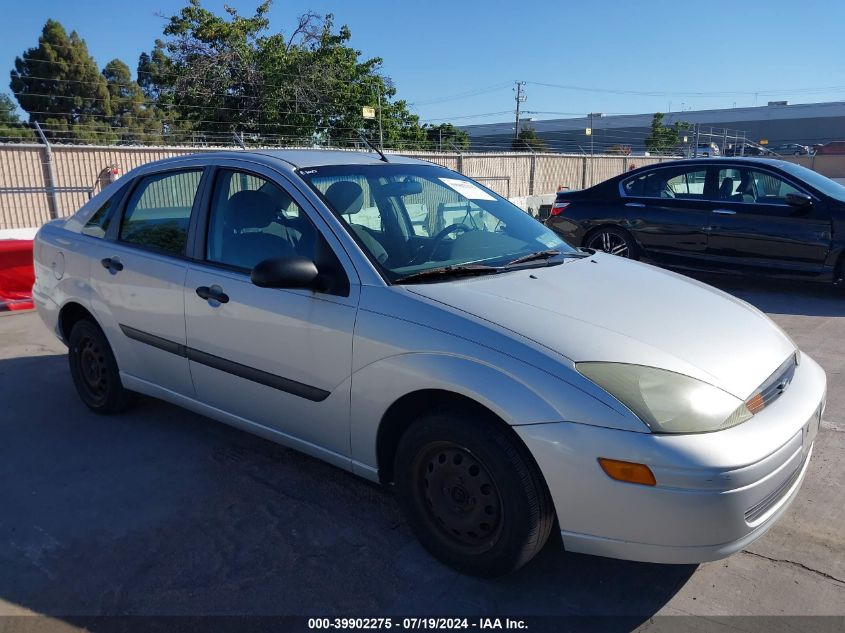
(94, 370)
(613, 240)
(471, 493)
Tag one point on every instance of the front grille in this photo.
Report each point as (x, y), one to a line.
(759, 509)
(774, 386)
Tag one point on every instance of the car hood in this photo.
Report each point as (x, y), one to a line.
(605, 308)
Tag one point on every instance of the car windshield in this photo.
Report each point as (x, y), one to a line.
(417, 218)
(815, 179)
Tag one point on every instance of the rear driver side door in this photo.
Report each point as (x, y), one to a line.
(138, 275)
(668, 212)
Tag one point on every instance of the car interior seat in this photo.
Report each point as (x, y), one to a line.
(245, 243)
(347, 198)
(726, 189)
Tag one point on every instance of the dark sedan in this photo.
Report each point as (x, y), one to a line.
(732, 215)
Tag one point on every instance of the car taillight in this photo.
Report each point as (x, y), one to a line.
(558, 208)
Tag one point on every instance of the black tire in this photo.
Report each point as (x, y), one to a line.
(94, 370)
(613, 240)
(471, 493)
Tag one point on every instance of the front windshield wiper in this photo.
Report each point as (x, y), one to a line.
(539, 255)
(533, 257)
(448, 271)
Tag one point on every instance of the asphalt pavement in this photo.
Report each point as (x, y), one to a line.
(163, 512)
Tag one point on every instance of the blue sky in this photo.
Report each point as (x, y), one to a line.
(460, 58)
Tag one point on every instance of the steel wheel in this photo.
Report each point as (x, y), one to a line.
(471, 493)
(462, 499)
(92, 365)
(94, 369)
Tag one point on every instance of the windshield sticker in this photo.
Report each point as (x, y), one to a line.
(466, 189)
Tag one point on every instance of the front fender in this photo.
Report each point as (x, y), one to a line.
(514, 397)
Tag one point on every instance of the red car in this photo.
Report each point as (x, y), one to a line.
(16, 275)
(834, 147)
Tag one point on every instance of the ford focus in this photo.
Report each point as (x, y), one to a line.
(401, 321)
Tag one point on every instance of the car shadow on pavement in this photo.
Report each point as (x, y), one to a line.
(160, 511)
(783, 297)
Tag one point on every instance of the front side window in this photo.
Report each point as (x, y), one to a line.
(253, 219)
(752, 186)
(159, 210)
(815, 179)
(414, 218)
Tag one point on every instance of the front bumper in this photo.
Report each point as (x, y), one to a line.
(715, 493)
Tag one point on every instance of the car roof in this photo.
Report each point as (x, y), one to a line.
(750, 161)
(292, 158)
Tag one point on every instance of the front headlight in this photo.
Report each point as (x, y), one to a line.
(668, 402)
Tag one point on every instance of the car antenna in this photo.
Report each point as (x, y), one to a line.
(372, 146)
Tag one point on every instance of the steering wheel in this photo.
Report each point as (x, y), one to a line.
(437, 239)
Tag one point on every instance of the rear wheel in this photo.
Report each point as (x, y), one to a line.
(94, 370)
(613, 240)
(471, 494)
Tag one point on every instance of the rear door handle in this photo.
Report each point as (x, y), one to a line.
(112, 264)
(724, 211)
(214, 293)
(634, 204)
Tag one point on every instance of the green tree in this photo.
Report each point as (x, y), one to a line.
(227, 74)
(59, 85)
(528, 141)
(664, 139)
(131, 119)
(11, 128)
(446, 137)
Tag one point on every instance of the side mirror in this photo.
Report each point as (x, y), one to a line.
(800, 200)
(286, 272)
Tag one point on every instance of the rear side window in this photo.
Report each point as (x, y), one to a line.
(667, 183)
(99, 222)
(158, 212)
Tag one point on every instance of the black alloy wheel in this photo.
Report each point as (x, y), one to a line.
(614, 241)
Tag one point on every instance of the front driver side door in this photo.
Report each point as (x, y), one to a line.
(752, 224)
(278, 359)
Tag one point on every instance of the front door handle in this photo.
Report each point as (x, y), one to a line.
(634, 204)
(724, 211)
(112, 264)
(214, 293)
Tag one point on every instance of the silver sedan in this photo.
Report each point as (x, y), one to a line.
(407, 324)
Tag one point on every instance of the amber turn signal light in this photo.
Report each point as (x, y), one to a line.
(627, 471)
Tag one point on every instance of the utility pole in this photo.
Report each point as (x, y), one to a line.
(380, 128)
(520, 97)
